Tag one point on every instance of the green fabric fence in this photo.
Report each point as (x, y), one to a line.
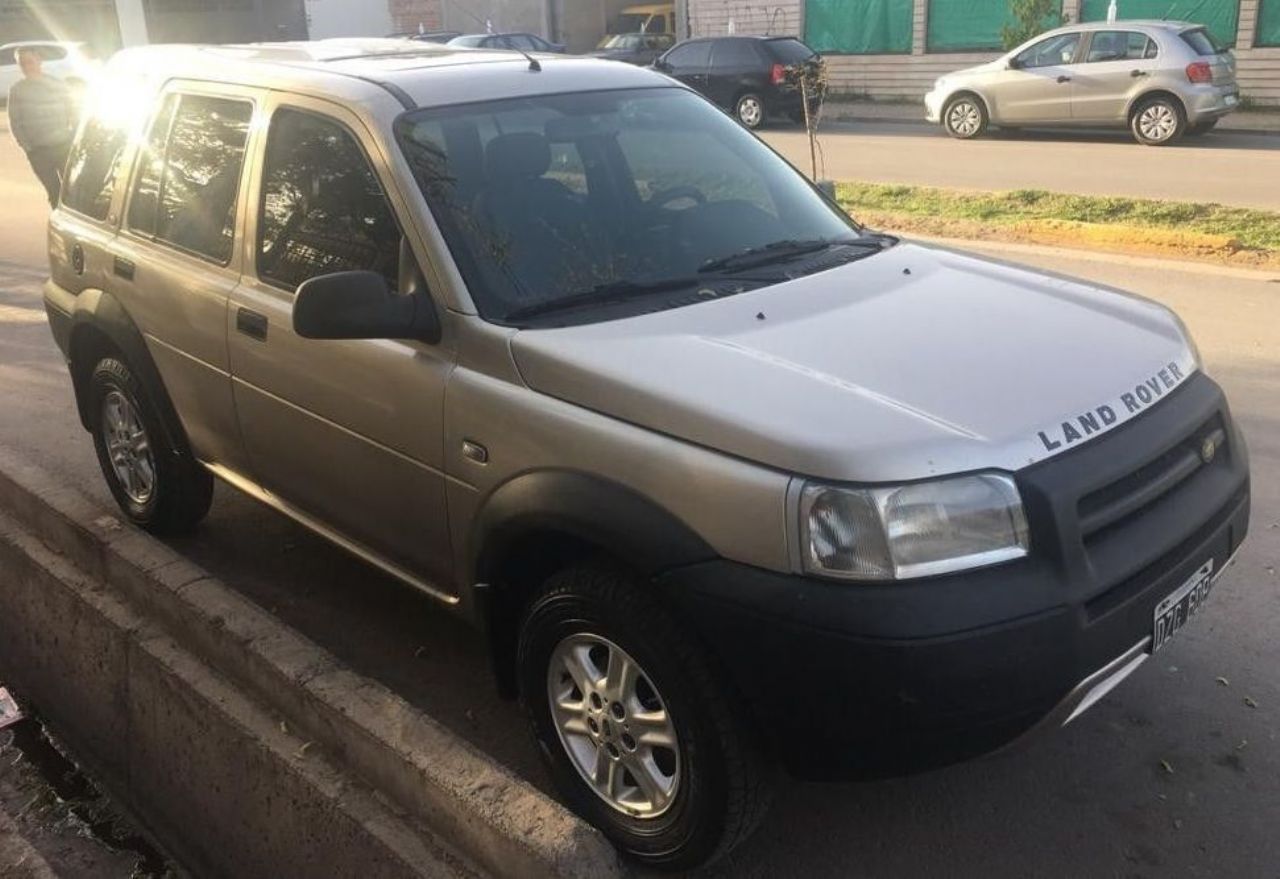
(1220, 16)
(1268, 32)
(969, 25)
(858, 27)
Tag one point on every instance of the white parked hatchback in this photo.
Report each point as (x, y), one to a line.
(72, 62)
(1161, 79)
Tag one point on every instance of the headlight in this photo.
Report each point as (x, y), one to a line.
(912, 530)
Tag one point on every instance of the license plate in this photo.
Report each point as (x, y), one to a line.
(1232, 100)
(1172, 613)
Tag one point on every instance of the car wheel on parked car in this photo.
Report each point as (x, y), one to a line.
(637, 729)
(1157, 121)
(157, 484)
(965, 117)
(750, 110)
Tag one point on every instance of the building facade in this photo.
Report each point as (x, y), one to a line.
(895, 49)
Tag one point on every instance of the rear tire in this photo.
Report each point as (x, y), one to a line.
(1201, 128)
(714, 786)
(159, 486)
(749, 110)
(965, 117)
(1158, 121)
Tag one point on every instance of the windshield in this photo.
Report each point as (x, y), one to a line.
(620, 41)
(551, 197)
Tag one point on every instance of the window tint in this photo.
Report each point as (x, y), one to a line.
(690, 55)
(1120, 46)
(789, 51)
(1202, 42)
(146, 183)
(92, 168)
(195, 207)
(734, 53)
(322, 208)
(1055, 50)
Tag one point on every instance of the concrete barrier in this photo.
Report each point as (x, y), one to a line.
(246, 749)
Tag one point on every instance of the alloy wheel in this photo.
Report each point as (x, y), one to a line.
(1158, 122)
(128, 447)
(964, 118)
(614, 725)
(750, 113)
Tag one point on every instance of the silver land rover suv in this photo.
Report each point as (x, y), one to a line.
(725, 480)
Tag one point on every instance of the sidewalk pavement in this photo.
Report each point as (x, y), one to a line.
(841, 109)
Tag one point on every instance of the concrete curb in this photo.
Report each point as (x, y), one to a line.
(830, 114)
(495, 820)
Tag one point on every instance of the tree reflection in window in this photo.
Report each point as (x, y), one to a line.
(322, 210)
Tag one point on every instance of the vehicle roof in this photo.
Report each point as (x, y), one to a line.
(368, 70)
(1161, 24)
(745, 37)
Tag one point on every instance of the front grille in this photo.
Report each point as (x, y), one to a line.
(1114, 504)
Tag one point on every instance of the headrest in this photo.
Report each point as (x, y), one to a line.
(524, 154)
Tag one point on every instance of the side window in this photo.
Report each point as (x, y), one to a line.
(1060, 49)
(146, 181)
(734, 53)
(92, 169)
(322, 208)
(1119, 46)
(195, 204)
(690, 55)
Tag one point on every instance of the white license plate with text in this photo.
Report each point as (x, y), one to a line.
(1181, 605)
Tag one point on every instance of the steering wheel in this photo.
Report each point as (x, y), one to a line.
(675, 193)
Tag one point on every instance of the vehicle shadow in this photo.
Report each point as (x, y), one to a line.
(1228, 139)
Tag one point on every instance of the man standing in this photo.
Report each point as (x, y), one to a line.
(42, 118)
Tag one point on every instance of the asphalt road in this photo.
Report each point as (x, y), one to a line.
(1095, 799)
(1241, 169)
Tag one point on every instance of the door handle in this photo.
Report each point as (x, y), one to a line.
(123, 268)
(1136, 73)
(1064, 78)
(252, 324)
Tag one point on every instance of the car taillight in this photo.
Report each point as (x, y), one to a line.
(1199, 71)
(778, 74)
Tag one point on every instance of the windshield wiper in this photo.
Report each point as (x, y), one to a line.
(788, 248)
(603, 294)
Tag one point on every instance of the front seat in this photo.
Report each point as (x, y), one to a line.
(539, 226)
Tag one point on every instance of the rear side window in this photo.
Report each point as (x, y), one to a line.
(690, 55)
(1120, 46)
(322, 208)
(194, 205)
(734, 53)
(789, 51)
(92, 168)
(1202, 42)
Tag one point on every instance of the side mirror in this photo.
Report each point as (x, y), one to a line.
(1014, 64)
(359, 305)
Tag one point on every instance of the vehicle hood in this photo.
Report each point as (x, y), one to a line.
(911, 363)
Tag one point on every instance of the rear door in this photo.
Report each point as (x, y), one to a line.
(737, 66)
(1037, 86)
(1117, 66)
(175, 261)
(688, 62)
(346, 433)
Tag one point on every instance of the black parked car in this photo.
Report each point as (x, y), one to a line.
(747, 75)
(525, 42)
(642, 49)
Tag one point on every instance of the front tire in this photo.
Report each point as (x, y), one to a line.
(749, 110)
(636, 728)
(965, 117)
(159, 486)
(1158, 121)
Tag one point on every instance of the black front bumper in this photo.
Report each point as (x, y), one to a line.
(862, 680)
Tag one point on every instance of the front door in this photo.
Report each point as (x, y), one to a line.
(347, 435)
(688, 63)
(1117, 65)
(1037, 86)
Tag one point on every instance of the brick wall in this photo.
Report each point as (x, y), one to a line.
(407, 15)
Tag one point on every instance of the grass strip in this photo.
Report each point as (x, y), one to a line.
(1249, 229)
